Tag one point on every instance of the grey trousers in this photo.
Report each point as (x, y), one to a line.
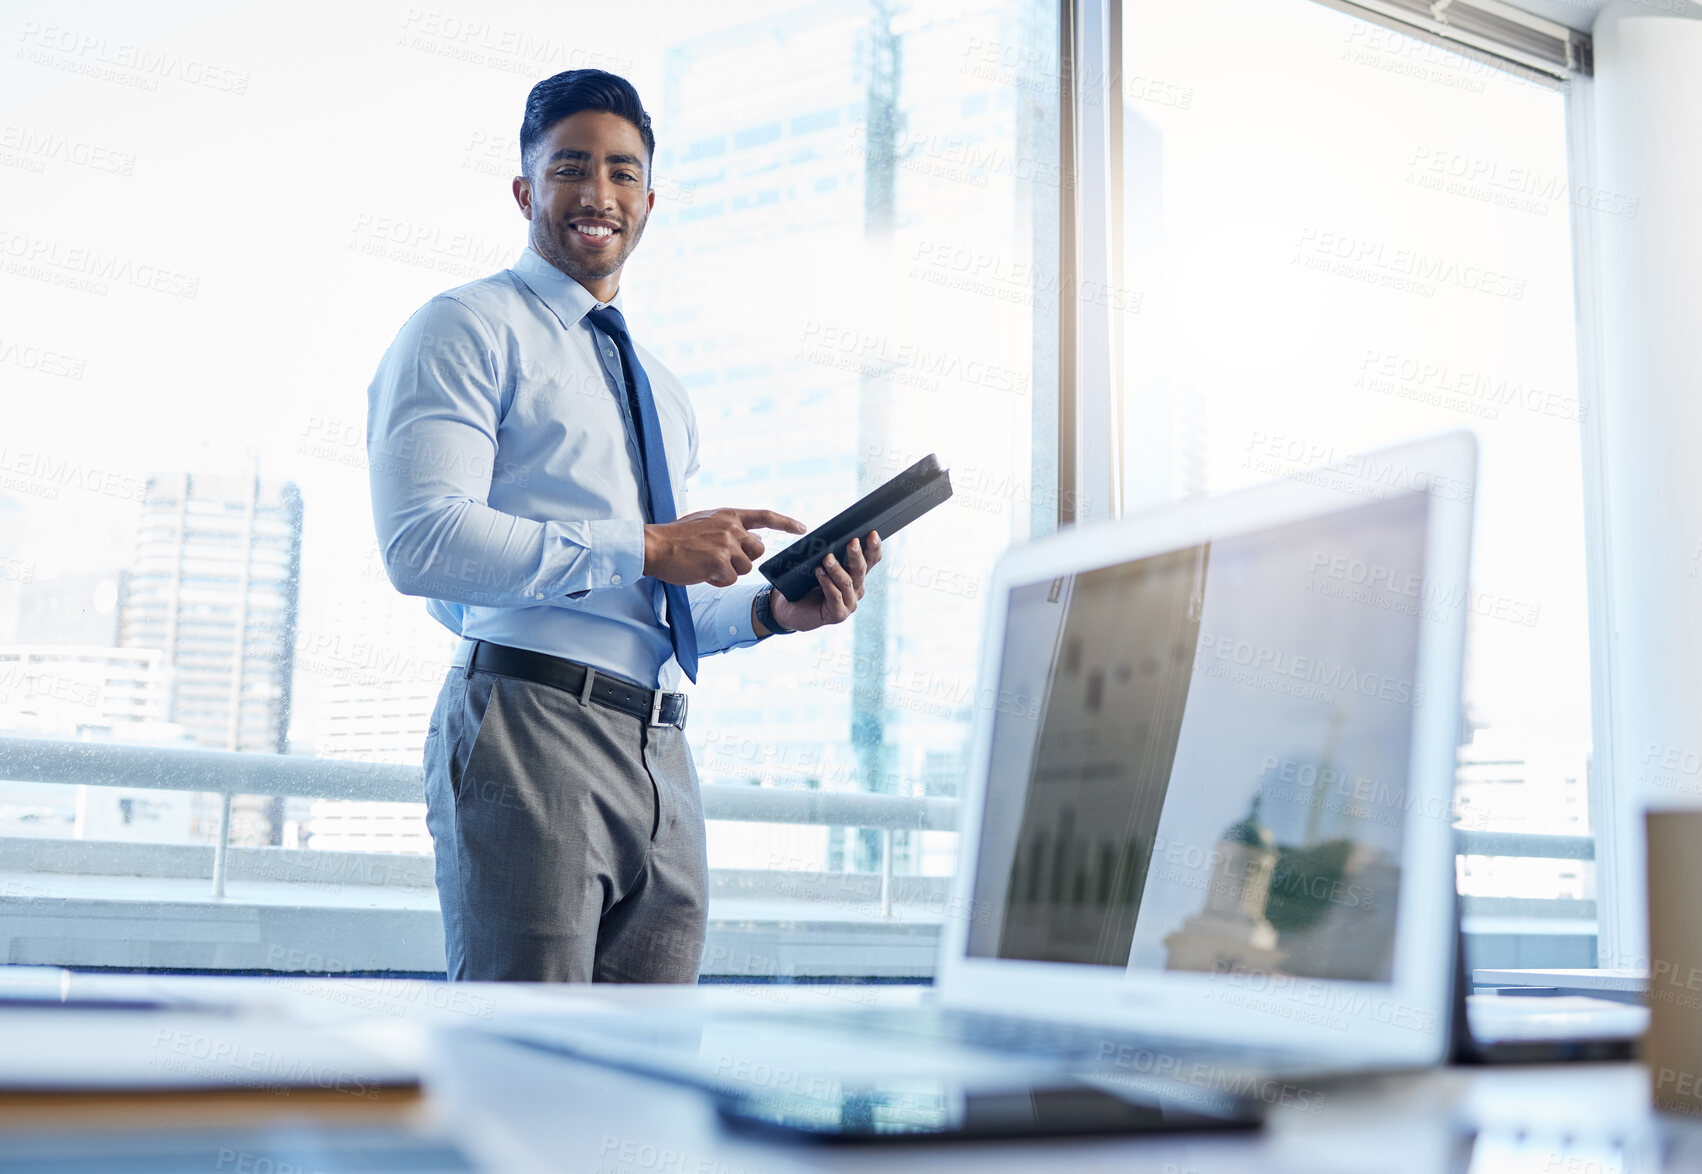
(569, 837)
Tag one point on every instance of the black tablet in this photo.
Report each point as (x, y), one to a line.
(887, 510)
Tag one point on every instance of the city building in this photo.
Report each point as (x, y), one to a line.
(215, 587)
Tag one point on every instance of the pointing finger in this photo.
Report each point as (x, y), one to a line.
(770, 520)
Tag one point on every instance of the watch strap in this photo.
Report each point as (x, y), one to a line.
(765, 613)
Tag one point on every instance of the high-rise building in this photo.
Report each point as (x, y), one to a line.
(215, 587)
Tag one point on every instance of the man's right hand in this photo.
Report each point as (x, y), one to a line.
(710, 546)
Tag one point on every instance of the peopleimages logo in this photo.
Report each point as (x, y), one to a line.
(1312, 670)
(1508, 185)
(1473, 392)
(511, 50)
(949, 691)
(87, 269)
(39, 359)
(1000, 278)
(43, 475)
(881, 357)
(32, 150)
(1274, 991)
(1349, 795)
(1199, 867)
(1025, 65)
(124, 62)
(1412, 270)
(1361, 474)
(959, 158)
(1366, 582)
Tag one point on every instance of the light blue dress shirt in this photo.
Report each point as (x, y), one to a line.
(506, 483)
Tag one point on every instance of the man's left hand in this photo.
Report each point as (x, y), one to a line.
(838, 588)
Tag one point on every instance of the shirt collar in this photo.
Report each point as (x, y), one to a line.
(565, 297)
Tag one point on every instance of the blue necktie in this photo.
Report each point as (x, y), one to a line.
(659, 490)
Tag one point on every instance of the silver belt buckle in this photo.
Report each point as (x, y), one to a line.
(656, 700)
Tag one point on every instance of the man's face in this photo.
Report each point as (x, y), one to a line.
(588, 197)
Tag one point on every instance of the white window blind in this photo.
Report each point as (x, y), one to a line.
(1503, 32)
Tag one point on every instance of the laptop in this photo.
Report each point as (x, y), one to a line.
(1206, 825)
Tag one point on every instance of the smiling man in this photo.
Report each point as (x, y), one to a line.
(529, 463)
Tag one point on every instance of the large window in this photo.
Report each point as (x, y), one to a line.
(1345, 237)
(1336, 237)
(211, 238)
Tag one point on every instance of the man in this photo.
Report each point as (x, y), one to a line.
(528, 466)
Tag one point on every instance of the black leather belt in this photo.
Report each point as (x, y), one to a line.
(656, 707)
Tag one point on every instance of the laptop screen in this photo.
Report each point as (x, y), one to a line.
(1199, 758)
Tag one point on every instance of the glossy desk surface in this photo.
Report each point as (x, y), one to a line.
(510, 1107)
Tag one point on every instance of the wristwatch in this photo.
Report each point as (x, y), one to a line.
(764, 612)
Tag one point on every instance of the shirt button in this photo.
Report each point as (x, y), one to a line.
(615, 579)
(732, 629)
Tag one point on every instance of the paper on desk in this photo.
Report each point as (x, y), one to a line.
(95, 1051)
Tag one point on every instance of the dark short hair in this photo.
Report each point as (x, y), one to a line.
(569, 92)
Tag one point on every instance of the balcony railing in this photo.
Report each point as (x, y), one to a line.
(764, 922)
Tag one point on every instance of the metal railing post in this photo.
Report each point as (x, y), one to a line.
(221, 847)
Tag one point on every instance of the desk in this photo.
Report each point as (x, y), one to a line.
(516, 1108)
